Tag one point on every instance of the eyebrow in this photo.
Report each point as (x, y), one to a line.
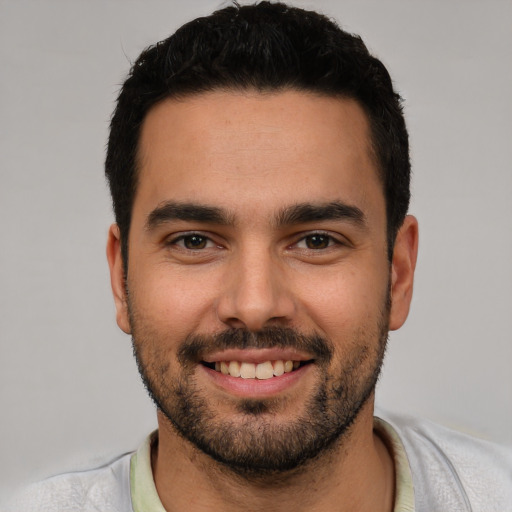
(192, 212)
(301, 213)
(304, 213)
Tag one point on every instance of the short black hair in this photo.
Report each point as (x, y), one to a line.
(264, 47)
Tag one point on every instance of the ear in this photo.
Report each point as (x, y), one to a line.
(402, 271)
(117, 277)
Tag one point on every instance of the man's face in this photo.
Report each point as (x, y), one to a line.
(258, 243)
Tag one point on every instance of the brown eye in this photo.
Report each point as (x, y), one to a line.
(317, 241)
(194, 242)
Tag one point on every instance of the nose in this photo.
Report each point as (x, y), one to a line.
(255, 293)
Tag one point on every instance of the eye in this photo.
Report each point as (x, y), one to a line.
(316, 241)
(193, 242)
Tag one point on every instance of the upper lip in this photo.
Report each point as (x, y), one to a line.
(256, 355)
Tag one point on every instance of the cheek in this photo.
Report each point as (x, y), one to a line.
(343, 302)
(175, 303)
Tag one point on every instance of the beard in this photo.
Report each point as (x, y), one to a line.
(253, 441)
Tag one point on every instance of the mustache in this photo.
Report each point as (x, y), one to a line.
(197, 345)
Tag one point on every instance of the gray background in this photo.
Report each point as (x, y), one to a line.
(70, 394)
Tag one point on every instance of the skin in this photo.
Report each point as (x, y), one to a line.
(251, 155)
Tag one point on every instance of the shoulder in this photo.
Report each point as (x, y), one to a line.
(103, 488)
(452, 467)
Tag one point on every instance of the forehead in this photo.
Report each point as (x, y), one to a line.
(246, 149)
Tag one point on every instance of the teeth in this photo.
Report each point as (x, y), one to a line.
(278, 368)
(234, 369)
(262, 371)
(247, 371)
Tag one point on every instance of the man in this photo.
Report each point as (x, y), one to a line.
(259, 169)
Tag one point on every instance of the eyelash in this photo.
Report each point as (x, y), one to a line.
(331, 241)
(182, 238)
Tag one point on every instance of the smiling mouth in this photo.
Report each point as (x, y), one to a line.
(262, 371)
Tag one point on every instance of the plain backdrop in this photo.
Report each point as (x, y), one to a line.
(70, 394)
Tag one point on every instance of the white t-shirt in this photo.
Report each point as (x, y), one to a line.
(437, 470)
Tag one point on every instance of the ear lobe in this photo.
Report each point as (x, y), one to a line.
(402, 271)
(117, 278)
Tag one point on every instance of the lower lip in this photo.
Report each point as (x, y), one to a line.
(256, 388)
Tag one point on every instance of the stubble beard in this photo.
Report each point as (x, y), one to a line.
(254, 443)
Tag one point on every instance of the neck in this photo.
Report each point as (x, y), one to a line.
(356, 474)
